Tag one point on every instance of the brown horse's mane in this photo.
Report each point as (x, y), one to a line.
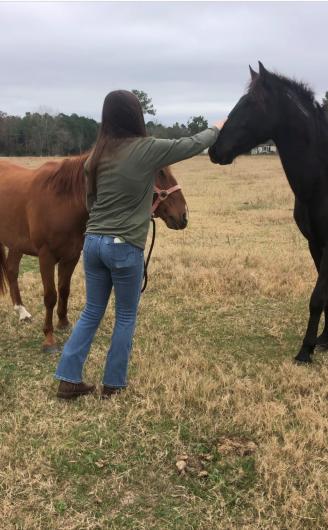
(69, 179)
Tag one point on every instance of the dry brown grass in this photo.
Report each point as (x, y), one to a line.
(211, 379)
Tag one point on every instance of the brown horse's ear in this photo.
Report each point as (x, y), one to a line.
(254, 74)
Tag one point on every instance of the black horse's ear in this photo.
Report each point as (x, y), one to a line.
(254, 74)
(263, 72)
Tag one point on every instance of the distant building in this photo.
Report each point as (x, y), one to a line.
(264, 149)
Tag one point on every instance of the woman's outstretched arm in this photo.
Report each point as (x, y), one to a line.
(165, 152)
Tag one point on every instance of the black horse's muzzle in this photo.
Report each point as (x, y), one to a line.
(220, 158)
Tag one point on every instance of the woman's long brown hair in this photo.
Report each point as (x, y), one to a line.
(122, 118)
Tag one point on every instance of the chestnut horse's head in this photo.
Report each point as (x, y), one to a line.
(169, 203)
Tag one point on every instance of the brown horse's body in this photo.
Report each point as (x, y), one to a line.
(24, 210)
(43, 213)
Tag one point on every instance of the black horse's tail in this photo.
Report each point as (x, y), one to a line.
(3, 270)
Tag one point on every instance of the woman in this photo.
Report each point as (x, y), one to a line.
(120, 178)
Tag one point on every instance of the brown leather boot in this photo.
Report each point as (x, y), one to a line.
(68, 390)
(109, 391)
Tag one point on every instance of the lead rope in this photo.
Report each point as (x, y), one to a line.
(149, 256)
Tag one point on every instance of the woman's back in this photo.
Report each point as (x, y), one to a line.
(125, 181)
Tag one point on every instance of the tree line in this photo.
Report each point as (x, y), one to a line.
(42, 134)
(37, 134)
(46, 134)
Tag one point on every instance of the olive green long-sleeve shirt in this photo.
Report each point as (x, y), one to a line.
(125, 181)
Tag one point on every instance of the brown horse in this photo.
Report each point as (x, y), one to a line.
(43, 213)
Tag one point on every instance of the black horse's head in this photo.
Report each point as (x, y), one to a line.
(251, 122)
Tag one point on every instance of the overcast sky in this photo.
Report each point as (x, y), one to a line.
(190, 57)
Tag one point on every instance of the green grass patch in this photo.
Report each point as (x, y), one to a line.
(29, 264)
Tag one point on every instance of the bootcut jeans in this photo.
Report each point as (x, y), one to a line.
(106, 264)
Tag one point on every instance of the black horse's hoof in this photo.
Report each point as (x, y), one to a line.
(322, 343)
(50, 349)
(303, 358)
(322, 347)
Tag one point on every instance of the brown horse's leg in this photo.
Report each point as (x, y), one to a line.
(47, 269)
(65, 271)
(13, 261)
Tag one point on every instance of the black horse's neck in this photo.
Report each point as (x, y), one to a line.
(299, 139)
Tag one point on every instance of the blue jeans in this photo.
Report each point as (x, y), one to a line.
(106, 264)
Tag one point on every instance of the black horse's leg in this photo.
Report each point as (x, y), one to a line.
(322, 340)
(316, 254)
(318, 302)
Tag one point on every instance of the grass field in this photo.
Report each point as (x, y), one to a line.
(212, 382)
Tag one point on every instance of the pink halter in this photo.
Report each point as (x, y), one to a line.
(162, 195)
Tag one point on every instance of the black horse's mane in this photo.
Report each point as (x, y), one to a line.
(302, 92)
(301, 89)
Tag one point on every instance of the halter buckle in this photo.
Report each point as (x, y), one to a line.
(162, 195)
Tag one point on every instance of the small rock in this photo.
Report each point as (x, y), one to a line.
(184, 456)
(207, 457)
(181, 465)
(203, 474)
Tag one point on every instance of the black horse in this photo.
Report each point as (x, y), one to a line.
(285, 111)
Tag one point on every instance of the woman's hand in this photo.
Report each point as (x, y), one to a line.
(219, 124)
